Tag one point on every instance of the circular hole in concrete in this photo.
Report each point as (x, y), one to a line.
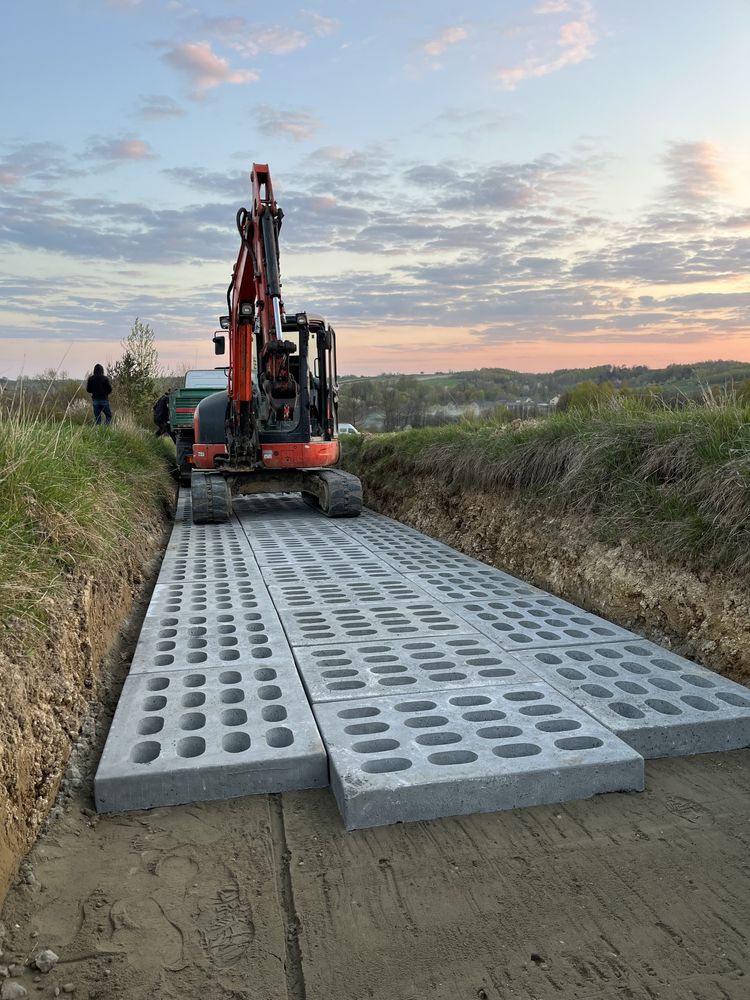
(472, 699)
(154, 703)
(484, 715)
(517, 750)
(358, 713)
(229, 677)
(385, 765)
(541, 710)
(273, 713)
(338, 673)
(666, 707)
(438, 739)
(227, 641)
(145, 752)
(426, 721)
(234, 717)
(558, 725)
(658, 682)
(523, 696)
(634, 668)
(194, 680)
(374, 746)
(167, 633)
(279, 737)
(733, 699)
(695, 679)
(632, 688)
(577, 654)
(163, 660)
(231, 696)
(499, 732)
(229, 654)
(226, 630)
(415, 706)
(695, 702)
(265, 674)
(345, 685)
(366, 728)
(196, 657)
(626, 711)
(665, 664)
(235, 742)
(165, 646)
(596, 690)
(269, 692)
(452, 757)
(396, 681)
(601, 671)
(157, 683)
(548, 658)
(579, 743)
(497, 672)
(150, 725)
(193, 699)
(191, 746)
(192, 720)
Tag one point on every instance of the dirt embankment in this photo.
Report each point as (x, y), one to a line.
(44, 695)
(705, 617)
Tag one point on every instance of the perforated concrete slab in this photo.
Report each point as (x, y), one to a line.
(400, 759)
(208, 596)
(189, 641)
(533, 622)
(307, 627)
(659, 703)
(418, 554)
(189, 736)
(472, 584)
(393, 589)
(412, 666)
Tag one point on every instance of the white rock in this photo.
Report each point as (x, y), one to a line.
(12, 990)
(46, 960)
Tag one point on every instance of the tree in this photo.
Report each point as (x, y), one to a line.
(134, 375)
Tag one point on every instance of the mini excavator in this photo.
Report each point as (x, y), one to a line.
(275, 429)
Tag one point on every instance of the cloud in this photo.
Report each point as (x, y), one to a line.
(42, 162)
(322, 25)
(298, 125)
(552, 7)
(695, 172)
(158, 107)
(447, 37)
(204, 68)
(573, 44)
(114, 151)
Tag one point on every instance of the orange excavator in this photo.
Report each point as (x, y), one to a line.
(275, 429)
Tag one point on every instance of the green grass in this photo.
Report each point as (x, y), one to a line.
(676, 483)
(69, 496)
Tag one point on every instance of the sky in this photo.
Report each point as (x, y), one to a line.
(527, 184)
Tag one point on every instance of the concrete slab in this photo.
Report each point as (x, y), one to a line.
(187, 736)
(538, 622)
(400, 759)
(473, 584)
(211, 641)
(393, 589)
(308, 627)
(659, 703)
(210, 596)
(412, 666)
(178, 569)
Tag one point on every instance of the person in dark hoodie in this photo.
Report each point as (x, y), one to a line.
(100, 387)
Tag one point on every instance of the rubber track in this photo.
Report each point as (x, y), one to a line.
(344, 493)
(211, 499)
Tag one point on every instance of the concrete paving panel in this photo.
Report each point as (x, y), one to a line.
(402, 758)
(308, 627)
(538, 622)
(659, 703)
(185, 642)
(187, 736)
(369, 669)
(210, 596)
(393, 589)
(472, 584)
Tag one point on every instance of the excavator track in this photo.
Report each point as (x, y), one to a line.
(211, 498)
(336, 493)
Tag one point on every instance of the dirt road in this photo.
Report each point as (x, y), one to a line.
(621, 897)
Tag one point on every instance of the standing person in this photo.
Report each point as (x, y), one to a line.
(161, 415)
(100, 387)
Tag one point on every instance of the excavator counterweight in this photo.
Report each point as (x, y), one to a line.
(275, 429)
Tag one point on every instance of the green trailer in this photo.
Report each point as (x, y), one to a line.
(182, 403)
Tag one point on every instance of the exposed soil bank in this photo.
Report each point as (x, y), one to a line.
(705, 617)
(44, 695)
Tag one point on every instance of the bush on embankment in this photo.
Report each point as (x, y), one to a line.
(70, 496)
(674, 482)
